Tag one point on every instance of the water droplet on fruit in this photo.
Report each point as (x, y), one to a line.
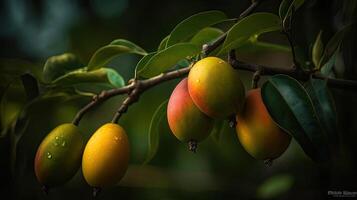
(56, 143)
(198, 80)
(57, 137)
(117, 139)
(63, 143)
(220, 62)
(49, 155)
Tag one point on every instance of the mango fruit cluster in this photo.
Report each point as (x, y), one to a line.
(104, 159)
(214, 90)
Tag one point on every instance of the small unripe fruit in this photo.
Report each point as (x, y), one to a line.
(59, 155)
(260, 136)
(106, 156)
(186, 121)
(215, 87)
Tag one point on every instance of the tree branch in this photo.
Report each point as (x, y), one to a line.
(294, 72)
(134, 90)
(136, 87)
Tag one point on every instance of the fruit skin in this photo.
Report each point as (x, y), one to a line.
(186, 121)
(215, 87)
(260, 136)
(59, 155)
(106, 156)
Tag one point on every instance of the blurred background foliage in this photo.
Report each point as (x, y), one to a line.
(31, 31)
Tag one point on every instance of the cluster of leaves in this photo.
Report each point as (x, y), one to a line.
(309, 108)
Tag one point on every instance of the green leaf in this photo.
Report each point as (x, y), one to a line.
(333, 45)
(325, 107)
(59, 65)
(217, 130)
(63, 94)
(275, 186)
(190, 26)
(206, 35)
(144, 60)
(257, 46)
(290, 106)
(9, 111)
(131, 45)
(167, 58)
(326, 69)
(154, 131)
(286, 7)
(251, 26)
(107, 53)
(163, 43)
(317, 50)
(102, 75)
(13, 68)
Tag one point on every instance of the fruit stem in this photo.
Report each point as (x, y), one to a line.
(96, 191)
(268, 162)
(256, 77)
(45, 189)
(192, 145)
(232, 121)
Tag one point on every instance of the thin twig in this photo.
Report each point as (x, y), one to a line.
(208, 48)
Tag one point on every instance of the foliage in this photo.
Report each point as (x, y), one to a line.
(302, 107)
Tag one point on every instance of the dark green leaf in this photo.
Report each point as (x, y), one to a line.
(102, 75)
(325, 107)
(290, 106)
(317, 50)
(275, 186)
(206, 35)
(302, 58)
(59, 65)
(107, 53)
(190, 26)
(167, 58)
(13, 68)
(249, 27)
(286, 7)
(154, 133)
(30, 85)
(163, 43)
(9, 110)
(333, 45)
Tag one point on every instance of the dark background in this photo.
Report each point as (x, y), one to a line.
(31, 31)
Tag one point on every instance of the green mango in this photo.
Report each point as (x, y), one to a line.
(59, 155)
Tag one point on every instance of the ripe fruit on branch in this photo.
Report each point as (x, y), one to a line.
(260, 136)
(215, 87)
(186, 121)
(59, 155)
(106, 156)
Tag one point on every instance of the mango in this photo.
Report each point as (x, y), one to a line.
(185, 120)
(215, 87)
(260, 136)
(106, 156)
(59, 155)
